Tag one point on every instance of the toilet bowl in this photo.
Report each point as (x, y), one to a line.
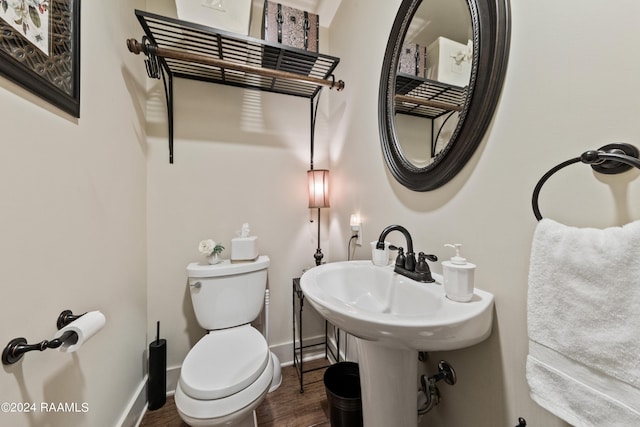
(227, 374)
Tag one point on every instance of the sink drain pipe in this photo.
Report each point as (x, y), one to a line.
(429, 395)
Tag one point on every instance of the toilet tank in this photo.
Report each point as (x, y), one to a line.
(227, 294)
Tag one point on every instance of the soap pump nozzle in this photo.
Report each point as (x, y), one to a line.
(457, 259)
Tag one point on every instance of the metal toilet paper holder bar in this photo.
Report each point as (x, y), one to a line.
(17, 347)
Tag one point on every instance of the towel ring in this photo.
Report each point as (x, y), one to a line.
(610, 159)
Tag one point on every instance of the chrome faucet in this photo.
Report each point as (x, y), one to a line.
(406, 264)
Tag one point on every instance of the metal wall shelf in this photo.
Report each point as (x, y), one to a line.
(176, 48)
(431, 99)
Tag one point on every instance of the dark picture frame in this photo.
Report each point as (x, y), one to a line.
(40, 49)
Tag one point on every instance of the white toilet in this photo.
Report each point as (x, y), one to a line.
(227, 374)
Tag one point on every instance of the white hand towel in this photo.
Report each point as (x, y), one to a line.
(584, 323)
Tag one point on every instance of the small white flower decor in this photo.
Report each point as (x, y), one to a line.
(211, 250)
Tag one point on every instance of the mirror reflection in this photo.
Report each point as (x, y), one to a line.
(433, 74)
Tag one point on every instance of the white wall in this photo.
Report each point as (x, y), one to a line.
(239, 156)
(571, 86)
(72, 200)
(117, 224)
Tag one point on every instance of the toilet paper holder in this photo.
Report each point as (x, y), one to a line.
(67, 317)
(17, 347)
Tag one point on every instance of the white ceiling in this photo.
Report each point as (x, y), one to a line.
(325, 9)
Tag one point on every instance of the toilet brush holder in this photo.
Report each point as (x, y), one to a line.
(157, 381)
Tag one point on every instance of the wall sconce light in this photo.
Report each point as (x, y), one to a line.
(318, 198)
(318, 188)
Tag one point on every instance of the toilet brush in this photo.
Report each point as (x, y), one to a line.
(157, 381)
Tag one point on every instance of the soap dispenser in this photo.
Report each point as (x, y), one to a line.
(458, 276)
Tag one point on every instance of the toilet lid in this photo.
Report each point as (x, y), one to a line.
(224, 362)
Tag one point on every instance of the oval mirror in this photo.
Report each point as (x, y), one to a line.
(440, 82)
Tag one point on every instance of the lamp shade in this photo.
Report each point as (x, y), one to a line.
(318, 188)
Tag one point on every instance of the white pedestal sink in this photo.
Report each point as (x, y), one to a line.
(393, 318)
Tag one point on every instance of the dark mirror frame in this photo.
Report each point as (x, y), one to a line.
(491, 36)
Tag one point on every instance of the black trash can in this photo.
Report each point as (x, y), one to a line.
(342, 385)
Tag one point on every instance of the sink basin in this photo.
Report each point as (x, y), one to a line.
(375, 304)
(392, 318)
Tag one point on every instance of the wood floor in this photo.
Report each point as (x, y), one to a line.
(285, 407)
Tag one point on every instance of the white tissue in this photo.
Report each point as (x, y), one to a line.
(85, 327)
(244, 232)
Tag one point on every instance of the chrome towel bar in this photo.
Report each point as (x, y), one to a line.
(609, 159)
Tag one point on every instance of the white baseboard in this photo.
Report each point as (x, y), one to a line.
(137, 407)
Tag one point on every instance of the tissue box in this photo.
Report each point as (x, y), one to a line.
(244, 248)
(233, 16)
(444, 63)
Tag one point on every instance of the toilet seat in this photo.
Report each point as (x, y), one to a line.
(198, 411)
(224, 362)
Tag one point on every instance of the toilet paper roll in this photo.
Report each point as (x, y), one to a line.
(85, 327)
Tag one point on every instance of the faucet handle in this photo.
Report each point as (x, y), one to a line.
(422, 266)
(430, 257)
(422, 256)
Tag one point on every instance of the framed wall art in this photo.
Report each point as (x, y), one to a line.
(40, 49)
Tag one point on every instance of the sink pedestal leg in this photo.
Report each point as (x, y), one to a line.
(388, 379)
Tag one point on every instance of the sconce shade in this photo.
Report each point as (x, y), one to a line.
(318, 188)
